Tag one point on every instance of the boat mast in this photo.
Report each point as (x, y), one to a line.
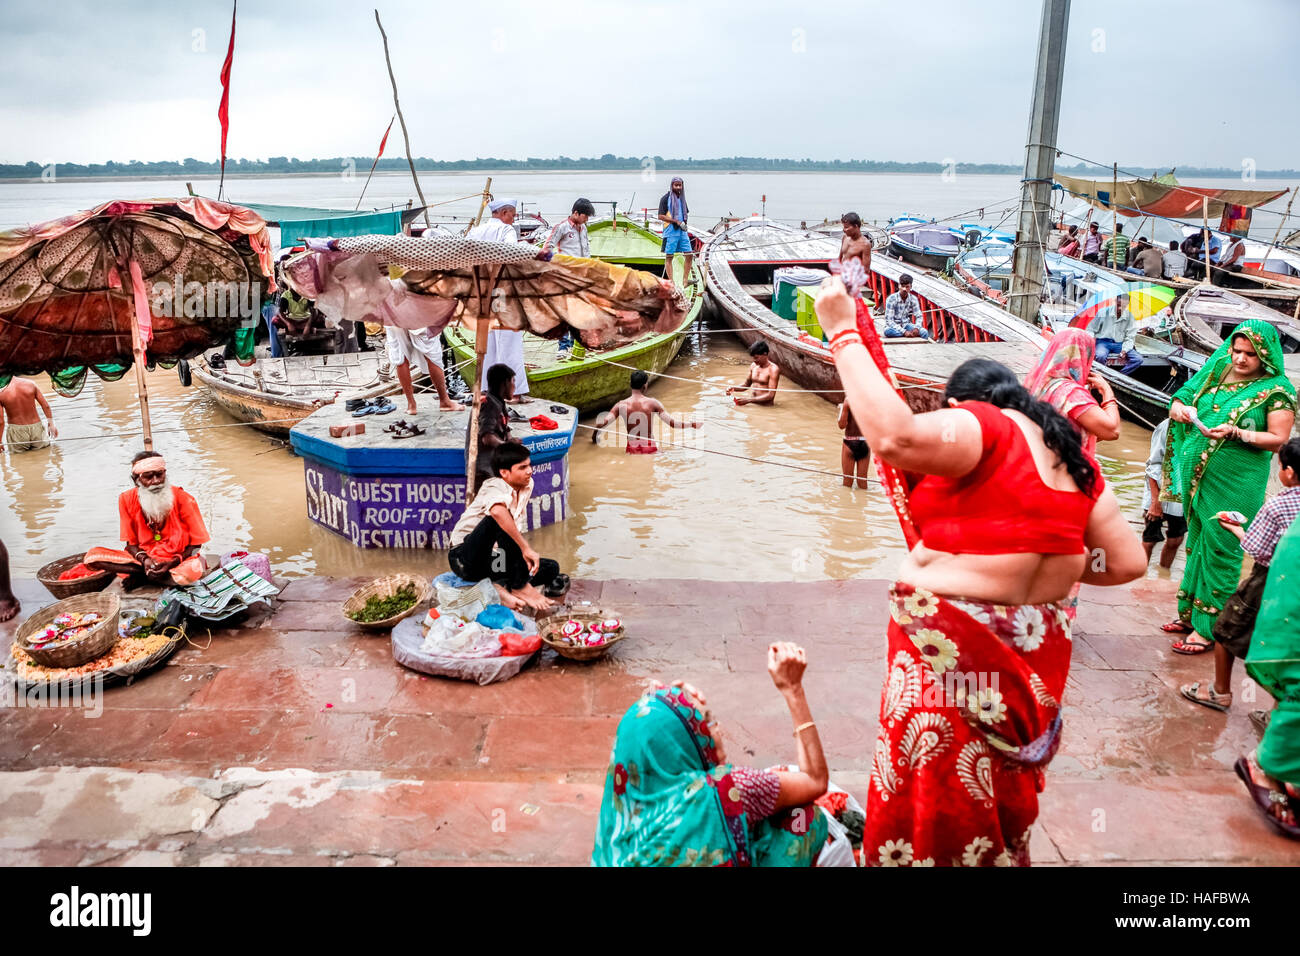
(1028, 267)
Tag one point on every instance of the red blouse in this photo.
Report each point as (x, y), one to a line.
(1002, 506)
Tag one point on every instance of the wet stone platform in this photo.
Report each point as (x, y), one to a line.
(295, 738)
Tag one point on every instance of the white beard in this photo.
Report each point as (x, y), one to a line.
(156, 503)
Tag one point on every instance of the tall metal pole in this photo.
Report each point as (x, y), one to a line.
(1027, 280)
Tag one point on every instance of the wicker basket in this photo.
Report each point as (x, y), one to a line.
(97, 641)
(49, 576)
(550, 632)
(386, 587)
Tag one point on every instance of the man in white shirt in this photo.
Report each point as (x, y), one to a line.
(504, 346)
(487, 541)
(1174, 262)
(569, 238)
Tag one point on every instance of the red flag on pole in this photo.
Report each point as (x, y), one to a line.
(223, 111)
(384, 142)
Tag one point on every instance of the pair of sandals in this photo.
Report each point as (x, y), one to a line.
(370, 406)
(404, 429)
(1185, 646)
(557, 588)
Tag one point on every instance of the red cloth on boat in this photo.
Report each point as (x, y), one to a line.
(971, 514)
(542, 423)
(969, 718)
(183, 528)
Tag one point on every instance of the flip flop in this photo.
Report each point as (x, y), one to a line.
(364, 410)
(1186, 647)
(1192, 693)
(384, 408)
(558, 587)
(1265, 799)
(1177, 627)
(1259, 720)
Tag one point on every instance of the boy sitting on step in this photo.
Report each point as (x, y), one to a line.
(487, 542)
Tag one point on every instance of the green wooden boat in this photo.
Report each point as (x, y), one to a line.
(592, 383)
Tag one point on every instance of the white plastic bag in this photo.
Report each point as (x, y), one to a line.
(465, 603)
(838, 851)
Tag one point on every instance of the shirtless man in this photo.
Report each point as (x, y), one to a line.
(855, 245)
(638, 412)
(855, 454)
(18, 401)
(764, 374)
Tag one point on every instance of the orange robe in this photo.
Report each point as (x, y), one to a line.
(183, 528)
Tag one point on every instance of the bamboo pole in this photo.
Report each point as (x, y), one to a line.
(137, 351)
(1205, 236)
(1285, 216)
(405, 138)
(1114, 202)
(475, 408)
(487, 195)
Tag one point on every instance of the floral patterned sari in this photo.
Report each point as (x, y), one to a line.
(669, 802)
(969, 718)
(1212, 475)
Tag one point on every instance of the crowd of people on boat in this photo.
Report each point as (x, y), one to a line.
(1145, 258)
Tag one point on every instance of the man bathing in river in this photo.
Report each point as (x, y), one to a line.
(487, 541)
(638, 411)
(160, 525)
(24, 431)
(764, 374)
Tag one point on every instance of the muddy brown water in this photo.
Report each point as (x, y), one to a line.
(688, 512)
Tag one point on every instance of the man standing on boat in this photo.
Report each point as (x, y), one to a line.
(504, 346)
(1116, 332)
(569, 238)
(673, 211)
(854, 245)
(1092, 244)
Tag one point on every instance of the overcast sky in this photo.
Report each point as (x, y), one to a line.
(1157, 83)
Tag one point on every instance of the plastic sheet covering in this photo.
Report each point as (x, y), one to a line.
(408, 635)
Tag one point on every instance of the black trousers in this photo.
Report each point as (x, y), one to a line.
(473, 559)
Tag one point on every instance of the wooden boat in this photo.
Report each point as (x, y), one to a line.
(599, 379)
(927, 245)
(273, 394)
(739, 265)
(1206, 316)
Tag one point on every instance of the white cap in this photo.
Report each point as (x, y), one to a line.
(497, 205)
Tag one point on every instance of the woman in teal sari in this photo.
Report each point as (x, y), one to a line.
(1272, 772)
(672, 800)
(1247, 406)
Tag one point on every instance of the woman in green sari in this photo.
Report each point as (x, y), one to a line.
(671, 799)
(1272, 772)
(1226, 424)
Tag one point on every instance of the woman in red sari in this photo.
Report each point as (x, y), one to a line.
(1011, 513)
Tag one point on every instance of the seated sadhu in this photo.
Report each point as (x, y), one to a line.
(160, 526)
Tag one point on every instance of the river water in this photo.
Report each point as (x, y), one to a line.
(688, 512)
(726, 507)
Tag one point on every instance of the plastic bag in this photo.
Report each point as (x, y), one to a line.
(498, 616)
(467, 603)
(514, 643)
(838, 851)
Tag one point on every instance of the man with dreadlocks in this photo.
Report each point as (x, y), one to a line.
(673, 211)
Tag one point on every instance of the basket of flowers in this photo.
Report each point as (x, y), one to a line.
(71, 632)
(582, 632)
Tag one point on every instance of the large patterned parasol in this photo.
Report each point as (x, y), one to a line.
(128, 282)
(450, 277)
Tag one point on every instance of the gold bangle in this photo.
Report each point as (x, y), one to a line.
(802, 727)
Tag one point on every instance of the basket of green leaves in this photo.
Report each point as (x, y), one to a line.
(383, 602)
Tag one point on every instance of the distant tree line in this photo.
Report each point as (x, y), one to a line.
(285, 165)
